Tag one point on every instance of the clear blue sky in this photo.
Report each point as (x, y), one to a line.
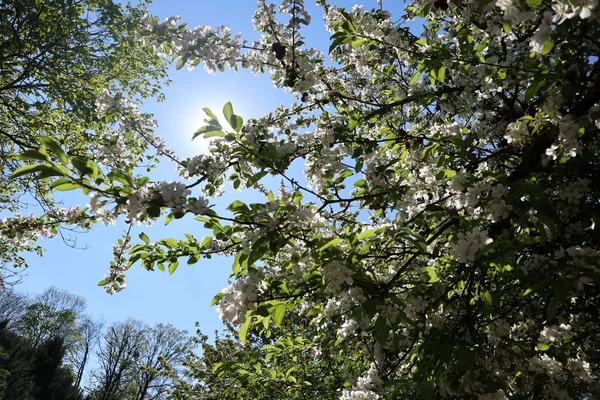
(183, 298)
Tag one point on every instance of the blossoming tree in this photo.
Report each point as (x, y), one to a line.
(58, 58)
(443, 235)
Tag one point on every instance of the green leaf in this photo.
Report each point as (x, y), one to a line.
(441, 74)
(236, 123)
(121, 177)
(180, 63)
(449, 173)
(217, 366)
(211, 114)
(49, 170)
(419, 243)
(83, 165)
(216, 299)
(214, 134)
(347, 24)
(206, 241)
(265, 321)
(543, 346)
(367, 234)
(237, 265)
(433, 276)
(486, 296)
(534, 3)
(169, 218)
(547, 48)
(59, 181)
(55, 148)
(238, 207)
(330, 243)
(63, 187)
(538, 285)
(141, 181)
(290, 370)
(228, 111)
(173, 267)
(256, 177)
(145, 238)
(170, 242)
(278, 312)
(415, 77)
(337, 40)
(357, 43)
(33, 155)
(361, 183)
(210, 130)
(243, 332)
(537, 84)
(102, 282)
(28, 169)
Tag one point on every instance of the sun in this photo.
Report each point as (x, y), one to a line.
(187, 96)
(193, 117)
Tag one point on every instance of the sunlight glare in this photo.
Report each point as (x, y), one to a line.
(193, 117)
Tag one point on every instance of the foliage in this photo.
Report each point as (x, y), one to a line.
(443, 238)
(43, 320)
(58, 57)
(36, 373)
(52, 380)
(52, 314)
(274, 367)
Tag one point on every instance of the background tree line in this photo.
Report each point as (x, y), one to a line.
(51, 349)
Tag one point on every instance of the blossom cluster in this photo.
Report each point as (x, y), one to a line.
(238, 298)
(365, 386)
(336, 274)
(20, 230)
(469, 244)
(133, 130)
(174, 195)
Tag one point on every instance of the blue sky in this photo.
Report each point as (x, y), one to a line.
(183, 298)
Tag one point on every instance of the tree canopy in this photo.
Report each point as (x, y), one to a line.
(273, 366)
(57, 58)
(34, 372)
(442, 237)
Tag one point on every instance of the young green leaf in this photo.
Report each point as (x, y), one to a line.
(145, 238)
(173, 267)
(330, 243)
(55, 148)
